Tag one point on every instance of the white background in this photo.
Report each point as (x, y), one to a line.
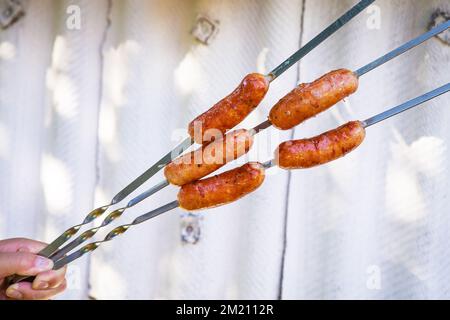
(82, 112)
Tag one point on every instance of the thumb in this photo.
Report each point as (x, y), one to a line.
(23, 263)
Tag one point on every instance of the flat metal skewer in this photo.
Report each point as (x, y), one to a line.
(269, 164)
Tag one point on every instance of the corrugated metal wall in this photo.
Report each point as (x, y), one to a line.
(82, 112)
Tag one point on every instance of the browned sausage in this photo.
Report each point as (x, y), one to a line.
(221, 189)
(231, 110)
(208, 158)
(309, 99)
(329, 146)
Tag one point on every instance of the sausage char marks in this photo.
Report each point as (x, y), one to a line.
(309, 99)
(231, 110)
(221, 189)
(208, 158)
(329, 146)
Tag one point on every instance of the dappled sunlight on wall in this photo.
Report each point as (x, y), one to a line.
(83, 112)
(114, 95)
(4, 142)
(428, 155)
(337, 113)
(188, 75)
(7, 51)
(348, 107)
(423, 157)
(60, 82)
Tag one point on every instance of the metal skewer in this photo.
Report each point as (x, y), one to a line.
(406, 106)
(307, 48)
(335, 26)
(369, 67)
(88, 234)
(69, 233)
(114, 233)
(112, 216)
(269, 164)
(59, 253)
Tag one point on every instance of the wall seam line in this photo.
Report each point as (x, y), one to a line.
(288, 182)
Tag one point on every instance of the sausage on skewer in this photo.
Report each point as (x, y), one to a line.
(231, 110)
(310, 99)
(324, 148)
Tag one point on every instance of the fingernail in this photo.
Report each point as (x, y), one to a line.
(42, 264)
(42, 285)
(13, 293)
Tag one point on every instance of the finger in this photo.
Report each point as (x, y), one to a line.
(21, 245)
(23, 263)
(24, 291)
(49, 279)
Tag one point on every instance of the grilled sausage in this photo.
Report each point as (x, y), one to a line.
(309, 99)
(329, 146)
(208, 158)
(231, 110)
(221, 189)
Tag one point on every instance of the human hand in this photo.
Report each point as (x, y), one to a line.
(18, 256)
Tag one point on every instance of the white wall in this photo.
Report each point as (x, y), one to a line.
(82, 112)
